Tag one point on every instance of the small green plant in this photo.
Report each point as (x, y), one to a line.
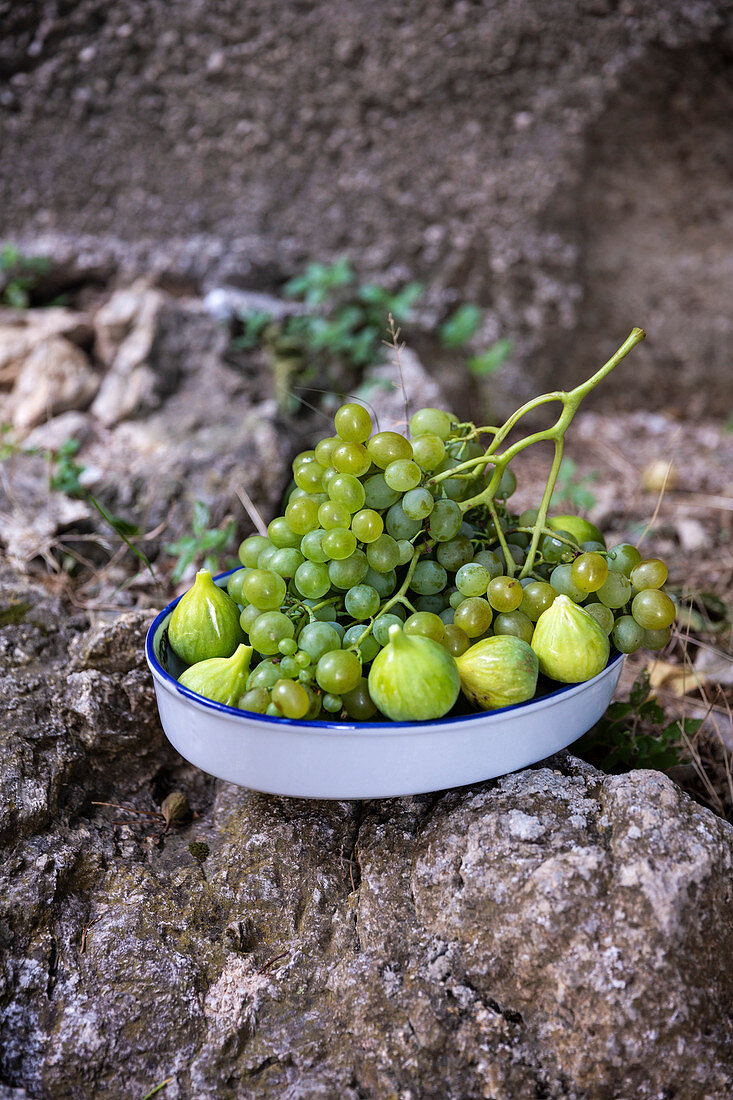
(634, 734)
(572, 489)
(65, 470)
(341, 324)
(205, 544)
(19, 275)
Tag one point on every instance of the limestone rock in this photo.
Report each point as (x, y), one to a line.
(54, 378)
(556, 933)
(22, 329)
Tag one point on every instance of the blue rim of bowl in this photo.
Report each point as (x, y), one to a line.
(222, 708)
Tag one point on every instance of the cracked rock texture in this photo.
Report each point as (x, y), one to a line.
(557, 933)
(566, 166)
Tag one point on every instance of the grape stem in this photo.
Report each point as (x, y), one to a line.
(400, 596)
(570, 401)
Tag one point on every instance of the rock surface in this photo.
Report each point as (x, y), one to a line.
(555, 933)
(54, 378)
(566, 168)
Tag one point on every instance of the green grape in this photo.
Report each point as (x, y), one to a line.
(251, 548)
(347, 490)
(652, 609)
(552, 549)
(491, 562)
(519, 538)
(286, 561)
(351, 458)
(428, 451)
(385, 583)
(256, 701)
(312, 579)
(268, 630)
(406, 550)
(536, 598)
(248, 616)
(456, 598)
(282, 535)
(330, 474)
(473, 616)
(288, 647)
(362, 602)
(615, 591)
(589, 572)
(381, 626)
(353, 423)
(472, 579)
(318, 638)
(504, 594)
(383, 554)
(304, 458)
(455, 488)
(433, 422)
(302, 514)
(602, 615)
(331, 703)
(434, 604)
(515, 623)
(454, 553)
(307, 676)
(386, 447)
(516, 553)
(657, 639)
(428, 578)
(417, 503)
(288, 668)
(465, 449)
(332, 514)
(234, 586)
(264, 588)
(339, 628)
(592, 546)
(456, 640)
(338, 671)
(447, 616)
(266, 555)
(311, 546)
(302, 659)
(400, 526)
(377, 493)
(367, 525)
(506, 486)
(650, 573)
(347, 572)
(528, 517)
(273, 711)
(561, 580)
(445, 520)
(263, 675)
(368, 646)
(309, 476)
(426, 625)
(627, 635)
(291, 697)
(325, 448)
(339, 543)
(403, 474)
(358, 702)
(623, 558)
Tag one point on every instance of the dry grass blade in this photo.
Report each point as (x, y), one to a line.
(251, 510)
(660, 498)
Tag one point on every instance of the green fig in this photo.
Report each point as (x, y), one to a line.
(569, 643)
(582, 530)
(205, 622)
(498, 672)
(413, 678)
(221, 679)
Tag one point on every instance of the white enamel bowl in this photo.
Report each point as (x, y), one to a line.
(361, 759)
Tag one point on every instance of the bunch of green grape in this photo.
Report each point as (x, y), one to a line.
(372, 535)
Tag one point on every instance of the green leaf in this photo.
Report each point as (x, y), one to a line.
(639, 692)
(488, 363)
(460, 326)
(200, 520)
(119, 528)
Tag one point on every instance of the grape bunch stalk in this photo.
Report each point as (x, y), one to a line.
(382, 530)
